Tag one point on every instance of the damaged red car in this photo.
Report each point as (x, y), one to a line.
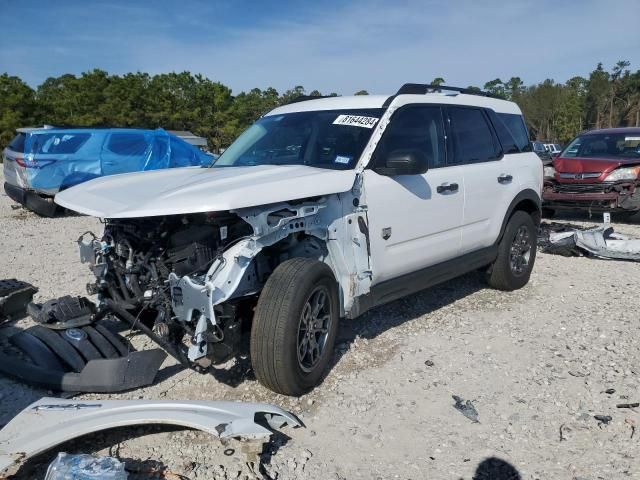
(599, 171)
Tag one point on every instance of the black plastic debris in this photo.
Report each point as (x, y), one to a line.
(64, 312)
(466, 408)
(603, 419)
(15, 295)
(87, 359)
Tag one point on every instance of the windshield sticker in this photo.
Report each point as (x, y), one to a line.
(343, 159)
(631, 139)
(355, 121)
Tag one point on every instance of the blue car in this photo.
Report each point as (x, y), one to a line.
(40, 162)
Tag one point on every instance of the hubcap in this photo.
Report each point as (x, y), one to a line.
(520, 251)
(315, 323)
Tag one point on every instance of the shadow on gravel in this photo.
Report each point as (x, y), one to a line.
(369, 325)
(496, 469)
(385, 317)
(110, 439)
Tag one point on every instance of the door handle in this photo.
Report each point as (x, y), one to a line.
(447, 187)
(504, 178)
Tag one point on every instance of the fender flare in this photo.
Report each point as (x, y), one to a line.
(527, 195)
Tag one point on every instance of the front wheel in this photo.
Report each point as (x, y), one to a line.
(516, 254)
(294, 326)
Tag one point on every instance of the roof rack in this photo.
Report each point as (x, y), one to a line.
(422, 88)
(304, 98)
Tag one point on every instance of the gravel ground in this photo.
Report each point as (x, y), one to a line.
(535, 363)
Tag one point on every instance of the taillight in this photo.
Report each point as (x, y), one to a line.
(30, 162)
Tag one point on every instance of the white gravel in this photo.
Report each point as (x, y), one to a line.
(535, 363)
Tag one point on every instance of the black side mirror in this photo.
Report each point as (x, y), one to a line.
(404, 162)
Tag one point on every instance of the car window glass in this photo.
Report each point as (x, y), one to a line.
(517, 128)
(17, 144)
(182, 155)
(128, 143)
(472, 138)
(59, 142)
(415, 128)
(507, 141)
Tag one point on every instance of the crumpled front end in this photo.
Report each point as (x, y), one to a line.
(190, 282)
(600, 196)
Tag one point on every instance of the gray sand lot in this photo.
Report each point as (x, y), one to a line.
(535, 363)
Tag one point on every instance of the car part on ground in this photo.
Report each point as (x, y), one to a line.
(49, 422)
(15, 295)
(81, 466)
(64, 312)
(87, 359)
(602, 242)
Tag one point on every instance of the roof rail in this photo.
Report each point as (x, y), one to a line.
(422, 88)
(304, 98)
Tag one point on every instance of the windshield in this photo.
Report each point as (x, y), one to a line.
(604, 145)
(325, 139)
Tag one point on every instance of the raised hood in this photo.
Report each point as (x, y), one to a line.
(192, 190)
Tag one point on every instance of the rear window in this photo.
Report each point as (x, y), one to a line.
(472, 137)
(128, 143)
(17, 144)
(56, 143)
(517, 128)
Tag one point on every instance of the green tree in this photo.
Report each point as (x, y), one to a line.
(17, 107)
(361, 92)
(496, 87)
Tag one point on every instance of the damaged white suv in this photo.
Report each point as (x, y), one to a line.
(322, 209)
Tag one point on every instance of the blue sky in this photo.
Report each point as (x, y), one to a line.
(330, 45)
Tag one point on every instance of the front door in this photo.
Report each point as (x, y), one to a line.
(414, 220)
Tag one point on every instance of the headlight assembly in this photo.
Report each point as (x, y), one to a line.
(626, 173)
(549, 172)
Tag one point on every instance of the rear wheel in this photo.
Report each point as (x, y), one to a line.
(516, 253)
(294, 326)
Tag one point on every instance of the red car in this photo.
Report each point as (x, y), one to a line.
(598, 171)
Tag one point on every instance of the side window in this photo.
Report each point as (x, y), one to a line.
(182, 155)
(509, 144)
(415, 127)
(517, 128)
(128, 143)
(472, 137)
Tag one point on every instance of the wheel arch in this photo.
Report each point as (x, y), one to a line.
(528, 201)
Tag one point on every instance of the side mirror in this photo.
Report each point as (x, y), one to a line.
(404, 162)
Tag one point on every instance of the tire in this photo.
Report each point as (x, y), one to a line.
(504, 274)
(280, 359)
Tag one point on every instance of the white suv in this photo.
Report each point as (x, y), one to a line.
(322, 209)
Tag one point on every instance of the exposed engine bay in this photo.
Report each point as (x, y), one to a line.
(190, 282)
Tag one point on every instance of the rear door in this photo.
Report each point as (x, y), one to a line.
(490, 181)
(124, 152)
(414, 220)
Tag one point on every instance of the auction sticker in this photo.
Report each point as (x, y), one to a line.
(355, 121)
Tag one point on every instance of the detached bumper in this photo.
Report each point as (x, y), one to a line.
(624, 196)
(40, 204)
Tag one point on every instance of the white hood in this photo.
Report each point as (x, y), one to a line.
(192, 190)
